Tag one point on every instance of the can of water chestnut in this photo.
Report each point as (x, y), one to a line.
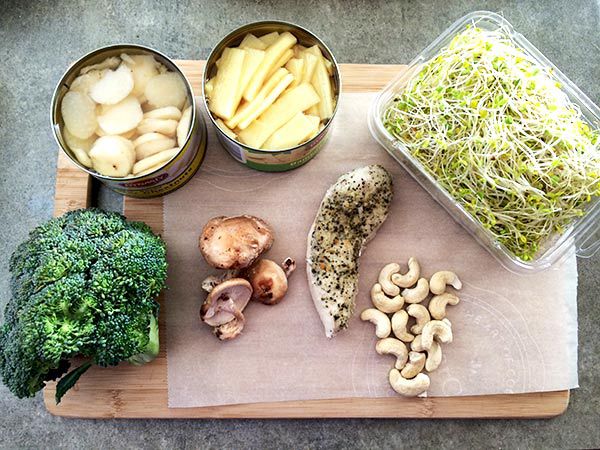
(169, 176)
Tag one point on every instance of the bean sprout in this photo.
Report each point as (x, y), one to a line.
(498, 133)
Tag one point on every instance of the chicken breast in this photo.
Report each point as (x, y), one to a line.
(349, 216)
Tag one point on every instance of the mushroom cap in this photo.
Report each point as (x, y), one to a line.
(234, 242)
(269, 281)
(226, 302)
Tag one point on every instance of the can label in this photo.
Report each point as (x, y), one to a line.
(235, 150)
(273, 161)
(172, 176)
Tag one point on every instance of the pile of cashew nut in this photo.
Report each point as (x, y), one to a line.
(430, 329)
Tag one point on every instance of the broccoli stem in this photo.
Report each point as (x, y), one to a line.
(151, 352)
(152, 347)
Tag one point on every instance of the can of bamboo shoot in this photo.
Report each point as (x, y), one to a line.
(166, 176)
(237, 133)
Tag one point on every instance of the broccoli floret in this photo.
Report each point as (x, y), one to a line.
(82, 284)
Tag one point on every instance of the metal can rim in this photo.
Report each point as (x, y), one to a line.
(271, 22)
(68, 71)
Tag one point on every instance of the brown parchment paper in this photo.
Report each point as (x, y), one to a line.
(511, 333)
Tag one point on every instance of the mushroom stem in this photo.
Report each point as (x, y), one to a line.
(230, 307)
(288, 265)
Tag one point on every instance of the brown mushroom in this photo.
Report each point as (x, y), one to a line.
(269, 280)
(229, 330)
(226, 302)
(234, 242)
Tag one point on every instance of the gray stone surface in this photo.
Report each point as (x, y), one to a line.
(39, 39)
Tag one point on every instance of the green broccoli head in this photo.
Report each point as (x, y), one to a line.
(82, 284)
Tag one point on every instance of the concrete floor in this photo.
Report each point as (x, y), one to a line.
(39, 40)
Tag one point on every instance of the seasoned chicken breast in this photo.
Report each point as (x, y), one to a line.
(350, 214)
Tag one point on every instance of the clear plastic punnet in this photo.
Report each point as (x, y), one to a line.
(581, 236)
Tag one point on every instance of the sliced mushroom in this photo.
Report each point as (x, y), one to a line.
(234, 242)
(269, 280)
(229, 330)
(209, 283)
(226, 302)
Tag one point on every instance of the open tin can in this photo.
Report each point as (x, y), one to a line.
(171, 175)
(272, 160)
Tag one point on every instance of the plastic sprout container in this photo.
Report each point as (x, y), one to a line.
(413, 126)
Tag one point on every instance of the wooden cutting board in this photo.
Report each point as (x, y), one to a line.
(129, 391)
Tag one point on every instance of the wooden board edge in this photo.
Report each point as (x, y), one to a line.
(73, 186)
(148, 210)
(505, 406)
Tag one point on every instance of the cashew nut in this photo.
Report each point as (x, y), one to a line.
(410, 277)
(418, 293)
(385, 279)
(391, 346)
(416, 345)
(382, 323)
(384, 303)
(437, 305)
(434, 354)
(434, 357)
(408, 388)
(399, 321)
(438, 329)
(415, 365)
(420, 313)
(439, 280)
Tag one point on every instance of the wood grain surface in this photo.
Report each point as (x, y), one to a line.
(129, 391)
